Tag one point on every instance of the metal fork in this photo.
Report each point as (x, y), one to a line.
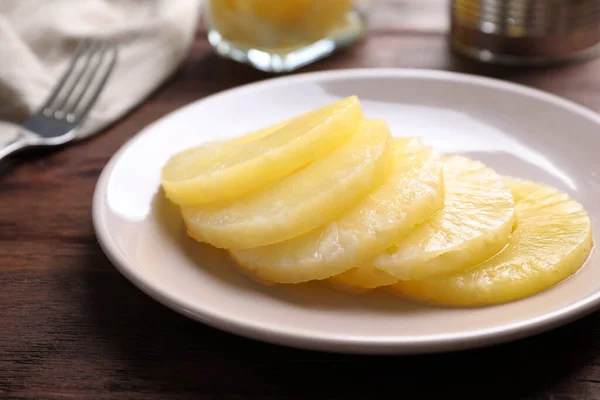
(57, 121)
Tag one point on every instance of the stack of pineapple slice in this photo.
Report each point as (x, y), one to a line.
(331, 195)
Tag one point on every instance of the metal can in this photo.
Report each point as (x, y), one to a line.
(525, 31)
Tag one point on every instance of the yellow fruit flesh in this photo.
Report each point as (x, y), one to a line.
(474, 224)
(278, 12)
(239, 167)
(277, 24)
(364, 277)
(551, 241)
(186, 164)
(313, 196)
(411, 193)
(300, 202)
(324, 16)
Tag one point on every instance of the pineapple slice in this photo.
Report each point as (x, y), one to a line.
(185, 165)
(412, 192)
(284, 13)
(226, 171)
(324, 16)
(474, 224)
(307, 199)
(279, 12)
(278, 24)
(551, 241)
(366, 276)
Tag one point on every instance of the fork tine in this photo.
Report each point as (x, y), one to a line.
(86, 78)
(81, 49)
(71, 84)
(83, 105)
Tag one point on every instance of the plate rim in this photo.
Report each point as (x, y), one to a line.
(346, 343)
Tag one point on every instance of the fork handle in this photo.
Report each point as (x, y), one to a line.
(16, 144)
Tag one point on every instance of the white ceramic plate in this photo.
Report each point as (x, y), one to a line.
(514, 129)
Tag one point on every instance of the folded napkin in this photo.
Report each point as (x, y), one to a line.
(38, 38)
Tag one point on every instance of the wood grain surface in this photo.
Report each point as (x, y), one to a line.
(72, 327)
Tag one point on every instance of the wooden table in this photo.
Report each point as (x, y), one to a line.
(72, 327)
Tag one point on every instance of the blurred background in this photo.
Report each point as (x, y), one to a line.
(244, 40)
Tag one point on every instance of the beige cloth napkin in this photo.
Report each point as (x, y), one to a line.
(37, 39)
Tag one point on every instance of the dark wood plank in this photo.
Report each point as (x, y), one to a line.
(72, 327)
